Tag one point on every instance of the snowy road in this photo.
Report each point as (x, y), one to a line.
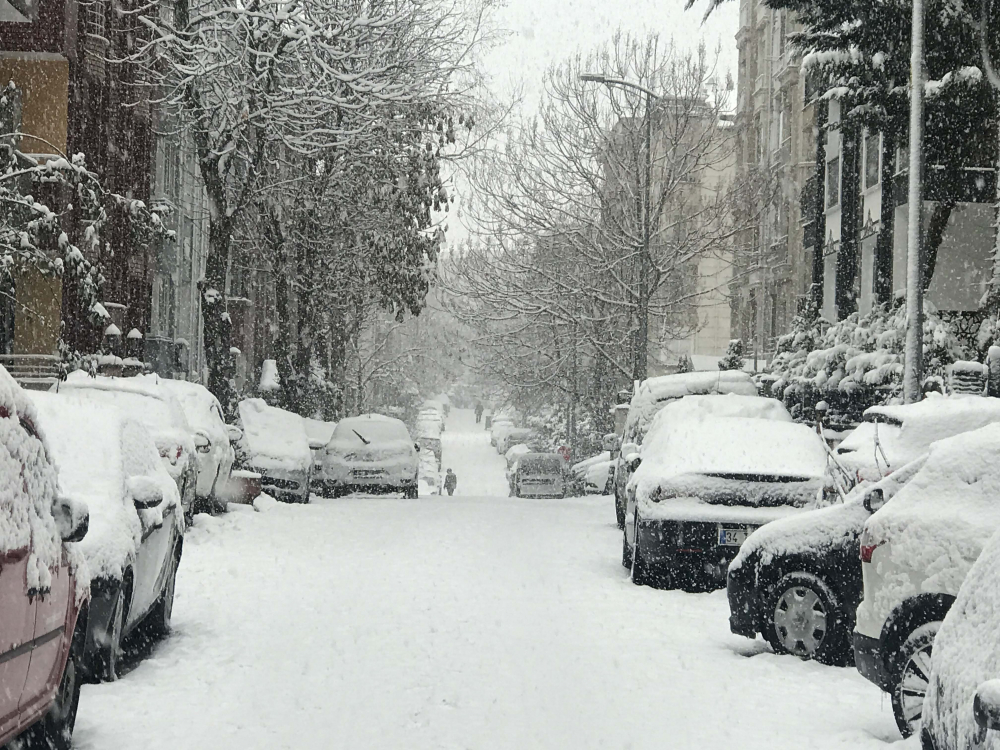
(476, 621)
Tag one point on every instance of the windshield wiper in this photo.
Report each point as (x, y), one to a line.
(363, 440)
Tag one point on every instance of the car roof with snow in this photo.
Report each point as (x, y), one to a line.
(653, 392)
(275, 438)
(906, 431)
(949, 508)
(196, 400)
(96, 449)
(126, 392)
(718, 405)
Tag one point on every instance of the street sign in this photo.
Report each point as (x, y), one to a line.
(564, 452)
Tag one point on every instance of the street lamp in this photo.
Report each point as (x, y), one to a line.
(639, 365)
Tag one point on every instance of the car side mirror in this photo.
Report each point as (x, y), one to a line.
(874, 499)
(202, 442)
(633, 461)
(986, 705)
(72, 519)
(145, 492)
(235, 433)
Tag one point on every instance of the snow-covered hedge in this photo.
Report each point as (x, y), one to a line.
(857, 362)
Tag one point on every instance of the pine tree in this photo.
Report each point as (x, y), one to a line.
(734, 357)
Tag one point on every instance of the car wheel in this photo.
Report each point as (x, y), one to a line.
(54, 731)
(619, 512)
(158, 619)
(411, 493)
(911, 678)
(626, 553)
(111, 657)
(641, 575)
(805, 619)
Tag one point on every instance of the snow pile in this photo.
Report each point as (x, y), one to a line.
(654, 392)
(938, 523)
(906, 431)
(966, 654)
(274, 438)
(515, 452)
(28, 486)
(269, 379)
(94, 467)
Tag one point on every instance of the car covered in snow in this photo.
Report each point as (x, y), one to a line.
(43, 583)
(429, 480)
(539, 475)
(705, 483)
(512, 437)
(276, 446)
(797, 580)
(319, 433)
(594, 475)
(213, 440)
(916, 551)
(500, 426)
(134, 544)
(159, 410)
(650, 397)
(894, 435)
(371, 453)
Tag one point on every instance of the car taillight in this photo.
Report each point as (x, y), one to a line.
(180, 450)
(867, 550)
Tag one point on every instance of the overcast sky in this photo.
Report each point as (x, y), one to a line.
(547, 31)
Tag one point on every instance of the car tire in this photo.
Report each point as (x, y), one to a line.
(911, 677)
(110, 658)
(54, 731)
(641, 574)
(619, 512)
(411, 493)
(626, 553)
(800, 600)
(157, 623)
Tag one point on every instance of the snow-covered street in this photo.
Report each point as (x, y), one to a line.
(477, 621)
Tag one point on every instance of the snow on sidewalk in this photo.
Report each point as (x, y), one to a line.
(464, 622)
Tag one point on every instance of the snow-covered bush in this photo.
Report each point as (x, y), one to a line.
(857, 362)
(734, 357)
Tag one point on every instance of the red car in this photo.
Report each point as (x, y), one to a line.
(42, 603)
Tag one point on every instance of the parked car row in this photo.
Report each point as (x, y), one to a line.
(861, 555)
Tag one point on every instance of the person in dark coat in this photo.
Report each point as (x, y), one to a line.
(479, 411)
(450, 482)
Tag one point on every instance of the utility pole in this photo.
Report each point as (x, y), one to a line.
(914, 355)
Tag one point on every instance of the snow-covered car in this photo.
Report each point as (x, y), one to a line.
(512, 437)
(276, 446)
(499, 427)
(213, 439)
(650, 397)
(319, 433)
(705, 484)
(371, 453)
(159, 410)
(134, 543)
(43, 584)
(510, 457)
(962, 707)
(915, 553)
(797, 581)
(429, 481)
(892, 436)
(434, 407)
(595, 475)
(540, 475)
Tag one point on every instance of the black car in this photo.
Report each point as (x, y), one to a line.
(798, 581)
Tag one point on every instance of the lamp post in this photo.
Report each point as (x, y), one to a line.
(914, 354)
(639, 364)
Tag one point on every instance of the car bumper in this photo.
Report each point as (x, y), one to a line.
(688, 548)
(868, 659)
(287, 488)
(744, 607)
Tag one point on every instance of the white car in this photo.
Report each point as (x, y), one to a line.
(213, 440)
(159, 410)
(371, 453)
(513, 437)
(654, 394)
(892, 436)
(276, 446)
(500, 427)
(108, 460)
(962, 707)
(705, 482)
(916, 550)
(595, 474)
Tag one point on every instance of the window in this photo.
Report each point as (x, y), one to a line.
(833, 182)
(873, 150)
(782, 32)
(10, 115)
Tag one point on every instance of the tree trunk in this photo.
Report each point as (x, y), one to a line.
(819, 207)
(935, 234)
(850, 224)
(216, 323)
(887, 217)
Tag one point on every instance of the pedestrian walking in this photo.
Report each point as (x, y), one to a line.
(479, 411)
(450, 482)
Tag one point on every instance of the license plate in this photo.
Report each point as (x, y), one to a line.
(733, 537)
(367, 473)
